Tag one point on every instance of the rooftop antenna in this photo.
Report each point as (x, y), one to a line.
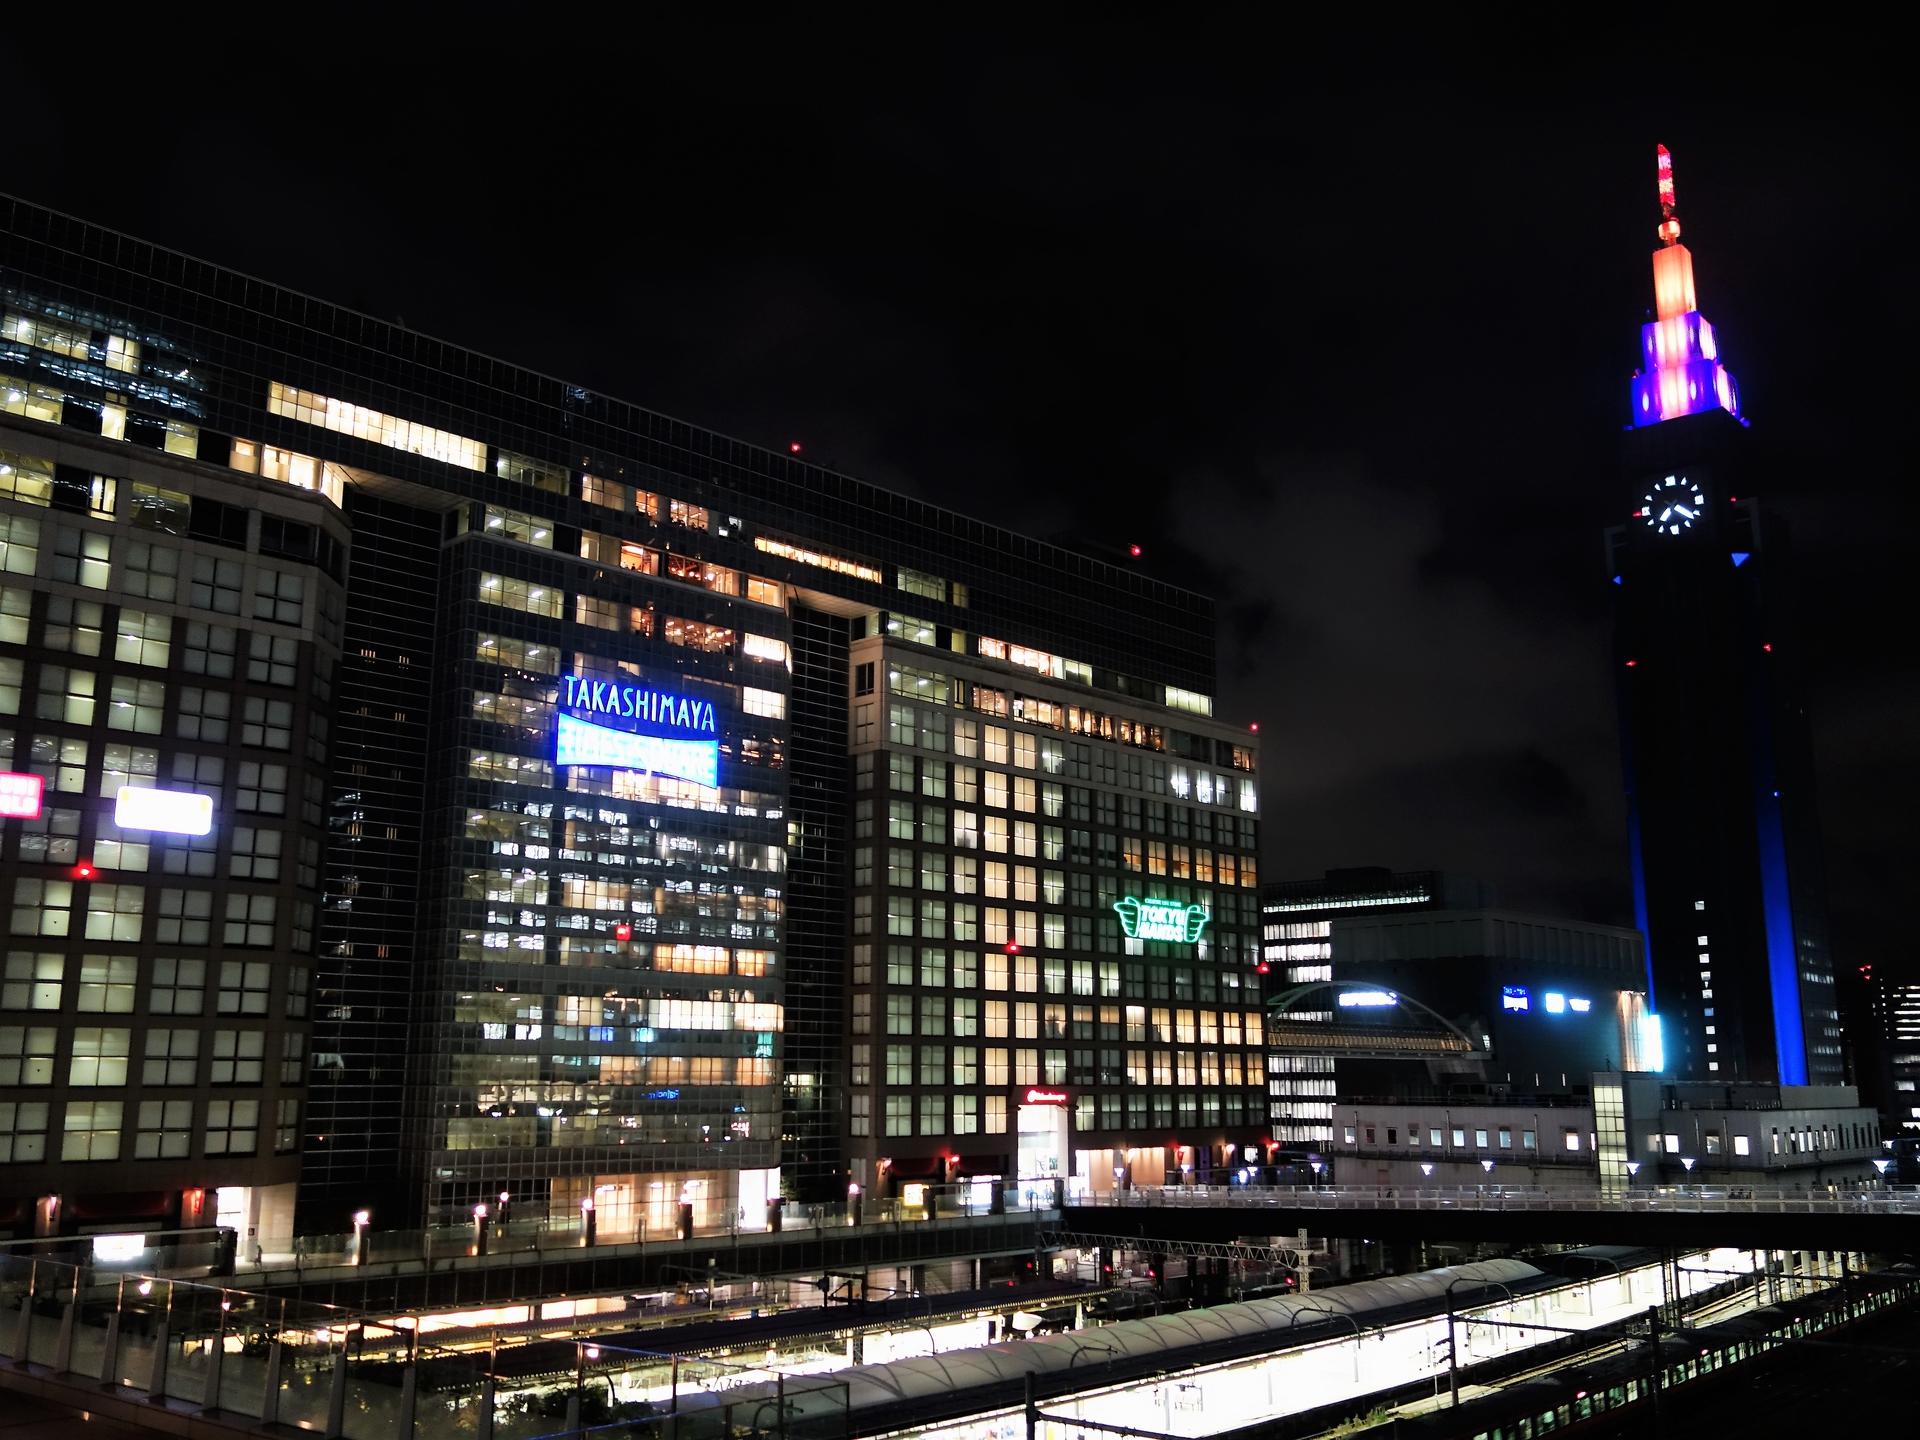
(1669, 231)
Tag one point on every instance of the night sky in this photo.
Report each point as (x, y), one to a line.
(1350, 354)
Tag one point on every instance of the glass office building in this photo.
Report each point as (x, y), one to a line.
(576, 734)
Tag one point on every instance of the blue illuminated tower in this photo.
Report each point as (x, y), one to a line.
(1728, 882)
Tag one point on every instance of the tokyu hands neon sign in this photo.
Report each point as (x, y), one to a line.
(1161, 919)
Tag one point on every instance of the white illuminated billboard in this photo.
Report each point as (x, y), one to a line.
(177, 812)
(578, 743)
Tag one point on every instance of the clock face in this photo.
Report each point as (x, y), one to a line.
(1673, 506)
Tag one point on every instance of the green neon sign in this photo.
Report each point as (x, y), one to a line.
(1161, 919)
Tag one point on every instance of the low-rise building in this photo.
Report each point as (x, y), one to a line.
(1617, 1130)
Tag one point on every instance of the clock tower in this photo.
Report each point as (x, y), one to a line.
(1723, 835)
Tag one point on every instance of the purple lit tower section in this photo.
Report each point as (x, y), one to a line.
(1683, 373)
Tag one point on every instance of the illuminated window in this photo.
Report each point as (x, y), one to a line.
(23, 1125)
(899, 1114)
(179, 987)
(608, 494)
(33, 980)
(25, 478)
(91, 1130)
(36, 402)
(697, 635)
(233, 1126)
(286, 1132)
(239, 1057)
(602, 614)
(81, 558)
(911, 630)
(518, 654)
(99, 1056)
(915, 582)
(407, 435)
(42, 907)
(1189, 700)
(19, 544)
(512, 594)
(683, 512)
(172, 1057)
(769, 704)
(806, 555)
(762, 647)
(26, 1054)
(106, 984)
(503, 524)
(509, 769)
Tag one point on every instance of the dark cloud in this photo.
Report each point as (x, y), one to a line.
(1410, 715)
(1340, 338)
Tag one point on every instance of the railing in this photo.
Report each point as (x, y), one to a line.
(1638, 1199)
(939, 1206)
(348, 1376)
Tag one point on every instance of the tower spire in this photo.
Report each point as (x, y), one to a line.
(1669, 230)
(1683, 372)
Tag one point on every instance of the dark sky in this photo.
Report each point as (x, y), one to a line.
(1347, 349)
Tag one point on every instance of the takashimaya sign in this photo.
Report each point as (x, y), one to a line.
(1161, 919)
(636, 702)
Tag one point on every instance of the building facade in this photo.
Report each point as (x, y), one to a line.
(1528, 1005)
(1618, 1130)
(1015, 842)
(1727, 870)
(170, 631)
(574, 718)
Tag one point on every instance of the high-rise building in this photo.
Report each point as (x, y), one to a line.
(1715, 743)
(555, 761)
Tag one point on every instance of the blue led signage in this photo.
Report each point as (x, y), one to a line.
(576, 742)
(645, 706)
(1516, 997)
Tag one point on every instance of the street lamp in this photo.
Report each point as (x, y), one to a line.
(1426, 1169)
(1487, 1165)
(853, 1204)
(589, 1221)
(1687, 1160)
(361, 1219)
(480, 1229)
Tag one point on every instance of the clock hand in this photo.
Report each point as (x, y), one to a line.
(1684, 511)
(1665, 513)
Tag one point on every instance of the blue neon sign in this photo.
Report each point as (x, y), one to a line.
(576, 742)
(1515, 997)
(660, 708)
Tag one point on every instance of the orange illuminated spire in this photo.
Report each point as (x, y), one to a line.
(1683, 373)
(1672, 265)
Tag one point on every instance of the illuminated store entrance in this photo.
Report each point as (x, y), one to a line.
(1043, 1135)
